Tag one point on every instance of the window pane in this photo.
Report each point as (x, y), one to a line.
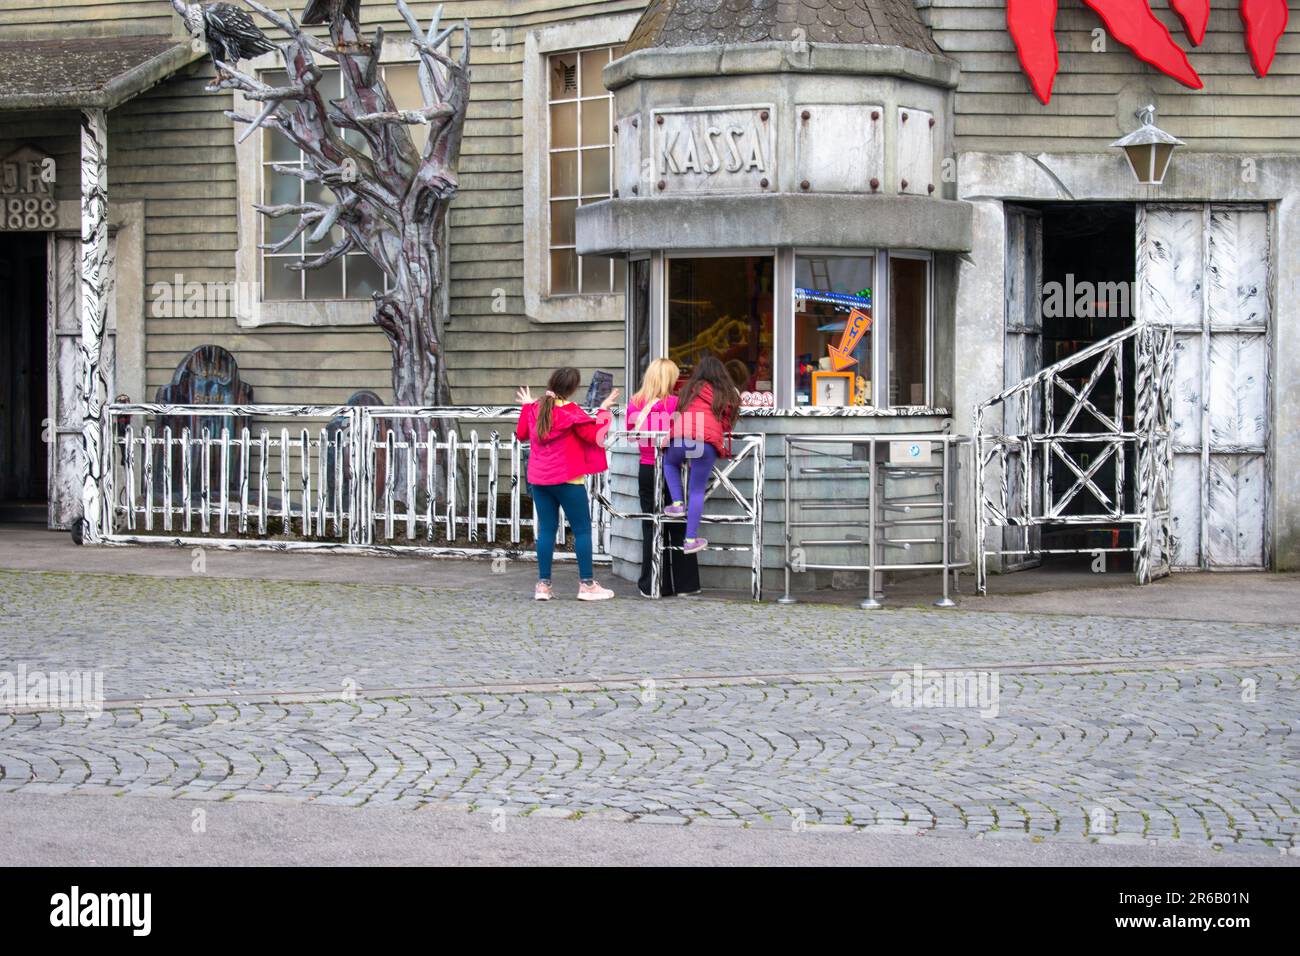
(280, 283)
(564, 125)
(276, 190)
(564, 271)
(639, 315)
(595, 122)
(909, 291)
(562, 230)
(595, 274)
(364, 277)
(593, 61)
(325, 282)
(564, 75)
(827, 291)
(723, 305)
(595, 172)
(564, 174)
(276, 148)
(404, 83)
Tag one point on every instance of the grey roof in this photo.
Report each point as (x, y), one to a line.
(87, 71)
(681, 23)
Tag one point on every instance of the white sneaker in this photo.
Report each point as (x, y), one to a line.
(594, 592)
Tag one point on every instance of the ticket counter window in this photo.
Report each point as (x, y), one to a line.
(834, 310)
(723, 305)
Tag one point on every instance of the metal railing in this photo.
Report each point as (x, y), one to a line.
(844, 495)
(356, 479)
(1076, 449)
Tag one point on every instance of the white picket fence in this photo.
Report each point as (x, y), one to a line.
(448, 482)
(445, 481)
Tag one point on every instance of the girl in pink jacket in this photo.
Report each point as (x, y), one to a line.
(565, 444)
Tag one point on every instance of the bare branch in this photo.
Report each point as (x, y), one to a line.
(334, 251)
(289, 208)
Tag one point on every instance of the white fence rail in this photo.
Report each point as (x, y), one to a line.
(448, 481)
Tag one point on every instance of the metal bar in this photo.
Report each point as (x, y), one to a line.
(129, 469)
(516, 482)
(493, 464)
(452, 465)
(411, 443)
(471, 505)
(167, 478)
(263, 480)
(225, 478)
(305, 491)
(245, 466)
(187, 455)
(146, 474)
(390, 479)
(322, 481)
(205, 482)
(286, 467)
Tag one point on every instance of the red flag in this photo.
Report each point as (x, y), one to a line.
(1265, 22)
(1030, 23)
(1132, 23)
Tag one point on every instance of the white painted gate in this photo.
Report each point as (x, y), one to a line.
(63, 428)
(1204, 270)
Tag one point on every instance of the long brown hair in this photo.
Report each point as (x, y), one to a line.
(725, 397)
(562, 383)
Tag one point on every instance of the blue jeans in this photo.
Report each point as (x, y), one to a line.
(549, 499)
(702, 455)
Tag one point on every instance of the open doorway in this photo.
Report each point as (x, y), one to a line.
(1088, 273)
(24, 463)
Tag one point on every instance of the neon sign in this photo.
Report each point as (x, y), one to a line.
(1031, 24)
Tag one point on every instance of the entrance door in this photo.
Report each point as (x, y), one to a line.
(23, 466)
(1022, 357)
(65, 367)
(1203, 269)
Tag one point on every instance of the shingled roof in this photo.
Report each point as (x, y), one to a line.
(86, 72)
(683, 23)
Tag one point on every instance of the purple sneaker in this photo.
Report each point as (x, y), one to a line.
(674, 510)
(694, 544)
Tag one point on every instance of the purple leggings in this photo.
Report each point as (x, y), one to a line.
(701, 455)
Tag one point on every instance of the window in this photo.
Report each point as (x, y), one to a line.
(723, 305)
(580, 154)
(834, 310)
(909, 321)
(354, 275)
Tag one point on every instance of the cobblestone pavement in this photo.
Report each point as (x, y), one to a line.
(1106, 729)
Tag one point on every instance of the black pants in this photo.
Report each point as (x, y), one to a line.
(679, 573)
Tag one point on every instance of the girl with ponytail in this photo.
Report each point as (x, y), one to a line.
(564, 446)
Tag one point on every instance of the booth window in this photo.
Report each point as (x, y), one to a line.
(834, 311)
(909, 321)
(581, 159)
(723, 305)
(351, 276)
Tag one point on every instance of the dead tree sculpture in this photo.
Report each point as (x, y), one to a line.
(390, 198)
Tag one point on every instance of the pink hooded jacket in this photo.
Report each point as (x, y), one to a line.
(572, 449)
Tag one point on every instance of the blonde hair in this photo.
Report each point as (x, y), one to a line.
(660, 377)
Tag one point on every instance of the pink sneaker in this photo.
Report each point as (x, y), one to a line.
(542, 592)
(674, 510)
(694, 544)
(594, 592)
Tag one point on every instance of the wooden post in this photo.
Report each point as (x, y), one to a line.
(96, 286)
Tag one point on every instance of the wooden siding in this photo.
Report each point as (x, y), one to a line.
(173, 149)
(996, 110)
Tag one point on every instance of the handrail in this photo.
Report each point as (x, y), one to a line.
(1047, 372)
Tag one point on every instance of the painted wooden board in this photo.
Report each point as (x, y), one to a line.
(1205, 271)
(839, 148)
(65, 481)
(916, 159)
(1237, 280)
(1171, 266)
(1234, 527)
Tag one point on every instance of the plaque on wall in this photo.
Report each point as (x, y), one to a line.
(714, 150)
(27, 201)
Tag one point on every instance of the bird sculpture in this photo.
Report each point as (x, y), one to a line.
(229, 32)
(329, 11)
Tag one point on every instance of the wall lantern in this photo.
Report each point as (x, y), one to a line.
(1148, 148)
